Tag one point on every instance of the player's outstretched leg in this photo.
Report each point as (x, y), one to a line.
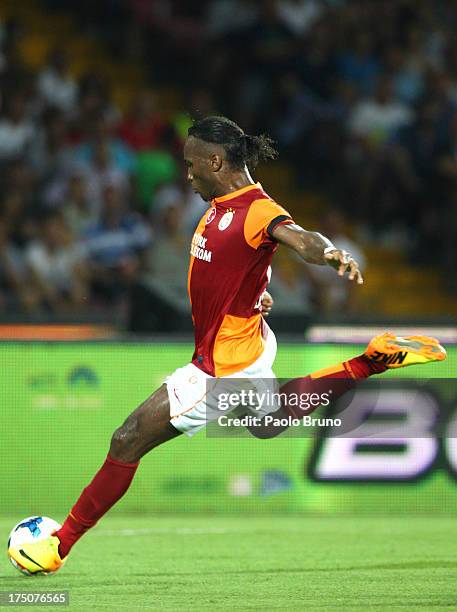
(384, 352)
(147, 427)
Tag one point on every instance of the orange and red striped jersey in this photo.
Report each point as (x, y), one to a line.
(229, 269)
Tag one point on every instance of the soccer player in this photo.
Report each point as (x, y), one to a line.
(231, 252)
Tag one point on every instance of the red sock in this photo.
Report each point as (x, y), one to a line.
(339, 379)
(107, 487)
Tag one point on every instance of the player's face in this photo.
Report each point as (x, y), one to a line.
(200, 171)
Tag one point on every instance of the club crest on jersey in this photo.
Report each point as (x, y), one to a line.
(226, 219)
(211, 215)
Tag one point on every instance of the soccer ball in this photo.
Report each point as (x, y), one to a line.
(31, 529)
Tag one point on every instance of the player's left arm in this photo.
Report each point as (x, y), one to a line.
(315, 248)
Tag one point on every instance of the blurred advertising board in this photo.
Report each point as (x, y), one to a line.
(61, 401)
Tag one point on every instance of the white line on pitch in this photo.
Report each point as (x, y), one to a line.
(152, 530)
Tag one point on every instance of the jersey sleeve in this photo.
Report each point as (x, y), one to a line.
(263, 216)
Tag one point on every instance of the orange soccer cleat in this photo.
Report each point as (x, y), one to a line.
(401, 351)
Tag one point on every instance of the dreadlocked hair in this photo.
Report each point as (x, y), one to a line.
(241, 149)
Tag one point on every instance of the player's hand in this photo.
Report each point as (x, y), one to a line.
(267, 304)
(343, 262)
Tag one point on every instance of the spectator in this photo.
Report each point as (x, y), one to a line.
(50, 156)
(115, 247)
(359, 63)
(95, 106)
(16, 291)
(170, 250)
(144, 127)
(376, 119)
(19, 215)
(75, 207)
(55, 85)
(16, 129)
(408, 77)
(100, 136)
(268, 50)
(57, 267)
(414, 154)
(292, 296)
(447, 162)
(315, 63)
(154, 169)
(102, 172)
(228, 16)
(159, 299)
(199, 103)
(300, 15)
(336, 297)
(183, 198)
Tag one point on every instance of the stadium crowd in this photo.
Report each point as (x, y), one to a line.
(94, 208)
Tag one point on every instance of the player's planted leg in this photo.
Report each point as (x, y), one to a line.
(147, 427)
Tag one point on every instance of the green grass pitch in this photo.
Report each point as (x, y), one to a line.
(219, 563)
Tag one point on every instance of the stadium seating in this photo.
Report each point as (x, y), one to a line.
(393, 287)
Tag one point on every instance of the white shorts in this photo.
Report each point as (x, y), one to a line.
(195, 396)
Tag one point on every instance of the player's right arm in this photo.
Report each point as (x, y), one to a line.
(315, 248)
